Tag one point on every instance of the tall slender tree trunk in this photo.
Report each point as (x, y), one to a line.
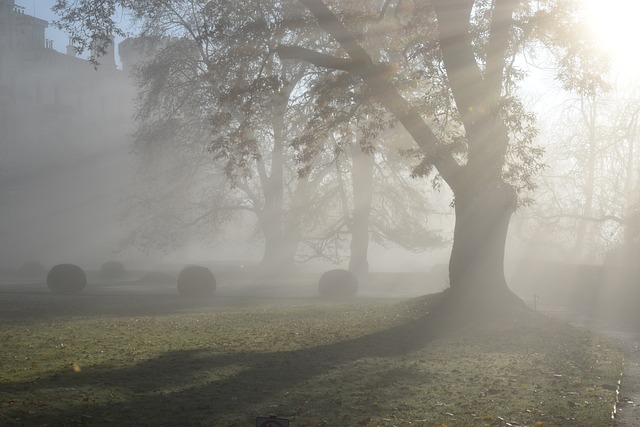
(631, 231)
(274, 259)
(362, 181)
(271, 223)
(588, 108)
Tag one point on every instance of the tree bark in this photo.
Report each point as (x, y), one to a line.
(271, 224)
(362, 178)
(476, 265)
(275, 259)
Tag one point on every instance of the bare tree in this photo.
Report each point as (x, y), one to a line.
(590, 187)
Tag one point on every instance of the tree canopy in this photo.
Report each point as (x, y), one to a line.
(446, 70)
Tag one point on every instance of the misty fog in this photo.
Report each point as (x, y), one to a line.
(70, 173)
(65, 163)
(75, 187)
(342, 213)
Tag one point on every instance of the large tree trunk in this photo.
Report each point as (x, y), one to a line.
(484, 202)
(476, 266)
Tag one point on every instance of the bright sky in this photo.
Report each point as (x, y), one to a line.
(617, 25)
(42, 9)
(616, 22)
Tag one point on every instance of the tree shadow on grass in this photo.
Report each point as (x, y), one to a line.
(339, 384)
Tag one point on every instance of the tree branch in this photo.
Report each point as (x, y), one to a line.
(330, 23)
(501, 21)
(603, 218)
(386, 94)
(459, 60)
(476, 95)
(316, 58)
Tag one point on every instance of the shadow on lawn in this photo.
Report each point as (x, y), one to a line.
(200, 387)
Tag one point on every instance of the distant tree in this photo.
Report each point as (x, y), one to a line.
(591, 185)
(224, 90)
(463, 115)
(214, 98)
(373, 197)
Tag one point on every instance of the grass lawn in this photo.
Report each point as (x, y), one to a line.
(168, 361)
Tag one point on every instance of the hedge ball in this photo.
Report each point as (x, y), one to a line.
(66, 279)
(112, 270)
(338, 283)
(195, 280)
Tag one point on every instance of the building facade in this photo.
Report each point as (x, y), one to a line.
(65, 137)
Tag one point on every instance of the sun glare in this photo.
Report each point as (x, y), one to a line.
(616, 24)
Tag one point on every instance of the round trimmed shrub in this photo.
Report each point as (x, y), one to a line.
(112, 270)
(32, 269)
(196, 281)
(338, 283)
(66, 279)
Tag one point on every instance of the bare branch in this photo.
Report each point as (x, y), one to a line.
(316, 58)
(380, 84)
(603, 218)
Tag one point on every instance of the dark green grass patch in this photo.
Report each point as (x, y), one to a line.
(318, 363)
